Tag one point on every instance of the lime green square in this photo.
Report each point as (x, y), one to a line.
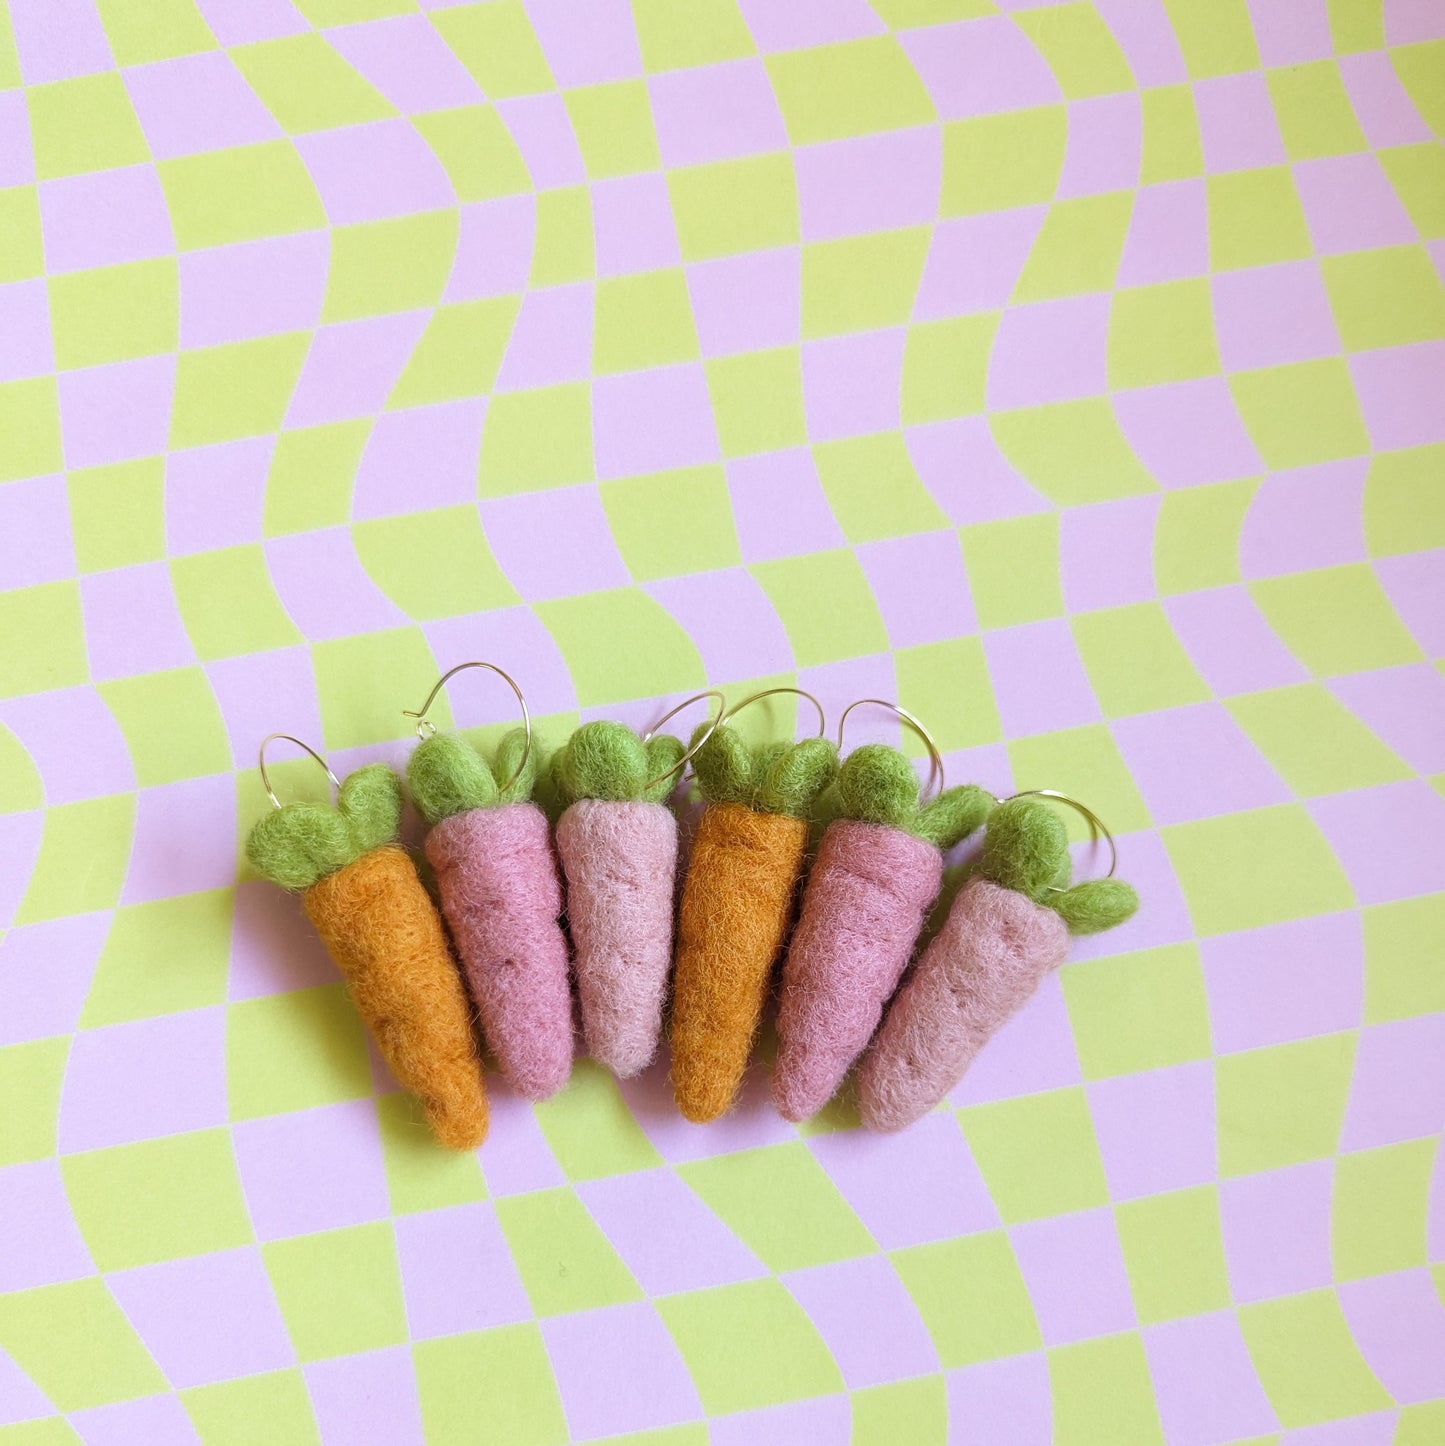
(857, 88)
(141, 31)
(75, 1344)
(1078, 248)
(401, 264)
(945, 368)
(564, 1259)
(459, 354)
(454, 1412)
(9, 60)
(99, 831)
(477, 152)
(913, 14)
(460, 574)
(563, 247)
(1301, 414)
(1174, 1253)
(1073, 452)
(192, 1194)
(118, 513)
(42, 639)
(31, 1076)
(1379, 1209)
(277, 1405)
(1255, 219)
(668, 524)
(982, 1270)
(29, 429)
(1103, 1394)
(312, 473)
(1173, 149)
(1420, 1425)
(1245, 870)
(1084, 763)
(1314, 112)
(728, 207)
(642, 320)
(352, 716)
(1162, 333)
(40, 1431)
(22, 249)
(1403, 978)
(83, 124)
(873, 489)
(1355, 27)
(781, 1204)
(1013, 569)
(1215, 35)
(228, 604)
(1135, 660)
(536, 439)
(1196, 535)
(116, 313)
(757, 401)
(1314, 742)
(339, 1291)
(1307, 1360)
(1282, 1105)
(861, 283)
(241, 389)
(1418, 175)
(1000, 162)
(1080, 49)
(344, 12)
(172, 725)
(293, 1051)
(590, 1129)
(306, 85)
(915, 1411)
(496, 43)
(749, 1345)
(1390, 297)
(418, 1175)
(614, 129)
(947, 682)
(1337, 620)
(675, 36)
(1037, 1154)
(1421, 70)
(1404, 507)
(826, 605)
(242, 194)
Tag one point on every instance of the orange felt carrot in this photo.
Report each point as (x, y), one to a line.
(361, 891)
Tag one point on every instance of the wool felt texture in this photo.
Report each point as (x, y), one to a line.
(448, 776)
(498, 882)
(878, 784)
(620, 862)
(737, 902)
(783, 778)
(608, 760)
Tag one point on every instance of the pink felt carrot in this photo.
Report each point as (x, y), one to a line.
(618, 844)
(1007, 929)
(878, 870)
(492, 853)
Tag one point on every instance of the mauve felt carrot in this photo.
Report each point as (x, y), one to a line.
(878, 870)
(491, 850)
(737, 902)
(381, 928)
(1007, 929)
(618, 844)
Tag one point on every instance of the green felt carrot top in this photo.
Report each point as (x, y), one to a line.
(1026, 848)
(448, 776)
(300, 843)
(608, 760)
(768, 777)
(877, 784)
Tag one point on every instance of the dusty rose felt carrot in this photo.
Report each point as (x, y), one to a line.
(878, 871)
(737, 903)
(1008, 927)
(617, 841)
(491, 849)
(380, 926)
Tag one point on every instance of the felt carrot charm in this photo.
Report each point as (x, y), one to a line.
(878, 871)
(491, 850)
(737, 903)
(361, 891)
(1007, 929)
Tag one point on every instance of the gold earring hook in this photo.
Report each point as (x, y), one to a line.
(768, 693)
(672, 713)
(288, 738)
(935, 758)
(1096, 824)
(425, 728)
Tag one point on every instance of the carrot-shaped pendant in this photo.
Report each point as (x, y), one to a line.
(361, 891)
(737, 903)
(1007, 929)
(878, 870)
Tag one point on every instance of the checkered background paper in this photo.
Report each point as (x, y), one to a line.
(1073, 373)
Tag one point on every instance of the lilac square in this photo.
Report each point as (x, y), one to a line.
(20, 1398)
(968, 476)
(73, 740)
(780, 507)
(1399, 1327)
(420, 458)
(316, 1169)
(17, 162)
(56, 39)
(980, 67)
(274, 948)
(156, 1420)
(1168, 237)
(1399, 392)
(1106, 553)
(1415, 585)
(618, 1369)
(516, 640)
(1007, 1400)
(1205, 1383)
(494, 249)
(197, 103)
(1381, 104)
(1155, 1130)
(543, 132)
(1188, 432)
(113, 413)
(867, 1320)
(716, 113)
(580, 555)
(1386, 839)
(1350, 205)
(807, 22)
(1398, 1089)
(132, 623)
(730, 620)
(352, 367)
(19, 845)
(24, 331)
(235, 22)
(1073, 1267)
(35, 543)
(751, 1123)
(372, 171)
(586, 42)
(408, 62)
(920, 586)
(324, 588)
(1163, 917)
(851, 383)
(823, 1421)
(368, 1399)
(1144, 34)
(869, 183)
(132, 1082)
(1051, 351)
(457, 1272)
(104, 218)
(974, 262)
(1305, 519)
(1106, 142)
(255, 689)
(1230, 643)
(837, 684)
(651, 421)
(1033, 1051)
(1237, 123)
(62, 952)
(551, 340)
(35, 1213)
(215, 495)
(184, 839)
(518, 1158)
(1039, 683)
(1277, 1230)
(633, 226)
(747, 303)
(1270, 315)
(256, 288)
(1289, 32)
(1256, 981)
(1413, 20)
(1404, 707)
(209, 1318)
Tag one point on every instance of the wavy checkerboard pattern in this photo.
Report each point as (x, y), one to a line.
(1074, 373)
